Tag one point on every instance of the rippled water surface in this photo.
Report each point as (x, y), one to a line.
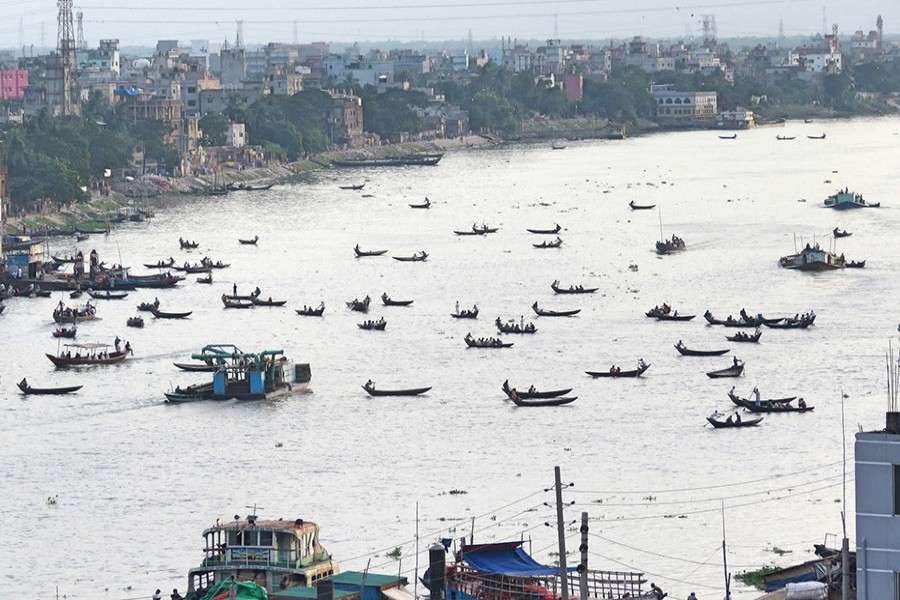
(138, 480)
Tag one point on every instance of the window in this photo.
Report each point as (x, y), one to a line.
(265, 538)
(897, 489)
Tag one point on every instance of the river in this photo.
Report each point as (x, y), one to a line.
(138, 480)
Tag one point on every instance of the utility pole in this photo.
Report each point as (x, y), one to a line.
(845, 543)
(583, 567)
(561, 529)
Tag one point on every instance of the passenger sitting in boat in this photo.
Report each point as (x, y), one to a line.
(24, 383)
(729, 420)
(175, 595)
(801, 403)
(177, 389)
(737, 418)
(128, 348)
(531, 390)
(680, 344)
(736, 361)
(612, 369)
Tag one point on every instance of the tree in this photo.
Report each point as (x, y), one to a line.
(215, 129)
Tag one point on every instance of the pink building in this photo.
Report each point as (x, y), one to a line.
(573, 85)
(13, 84)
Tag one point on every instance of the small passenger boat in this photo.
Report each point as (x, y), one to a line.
(636, 206)
(360, 253)
(369, 386)
(76, 314)
(62, 332)
(370, 325)
(466, 314)
(553, 231)
(196, 367)
(137, 322)
(426, 204)
(249, 242)
(107, 295)
(159, 314)
(360, 305)
(665, 313)
(94, 354)
(533, 393)
(617, 372)
(519, 401)
(28, 390)
(728, 137)
(735, 370)
(745, 337)
(554, 244)
(671, 245)
(186, 245)
(797, 322)
(685, 351)
(553, 313)
(356, 186)
(161, 264)
(388, 302)
(259, 302)
(784, 137)
(416, 257)
(844, 199)
(229, 303)
(75, 294)
(717, 421)
(207, 279)
(490, 342)
(816, 137)
(513, 327)
(572, 289)
(856, 264)
(308, 311)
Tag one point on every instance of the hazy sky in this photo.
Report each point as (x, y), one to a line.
(344, 21)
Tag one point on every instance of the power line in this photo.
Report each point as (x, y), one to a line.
(706, 487)
(658, 575)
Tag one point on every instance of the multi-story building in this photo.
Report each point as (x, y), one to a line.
(345, 121)
(676, 108)
(232, 67)
(13, 84)
(877, 466)
(100, 63)
(364, 72)
(823, 57)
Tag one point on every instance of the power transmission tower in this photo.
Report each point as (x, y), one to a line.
(21, 34)
(65, 46)
(780, 33)
(239, 36)
(79, 17)
(296, 37)
(709, 30)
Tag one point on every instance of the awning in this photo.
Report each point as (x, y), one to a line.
(505, 558)
(398, 593)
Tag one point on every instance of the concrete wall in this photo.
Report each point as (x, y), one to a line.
(877, 528)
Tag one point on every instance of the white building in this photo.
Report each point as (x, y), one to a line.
(878, 512)
(364, 72)
(237, 135)
(684, 108)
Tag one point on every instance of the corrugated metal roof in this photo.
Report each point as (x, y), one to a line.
(309, 593)
(371, 579)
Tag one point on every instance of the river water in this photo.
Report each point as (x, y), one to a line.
(138, 480)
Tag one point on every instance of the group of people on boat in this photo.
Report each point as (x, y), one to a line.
(310, 309)
(64, 311)
(370, 324)
(513, 327)
(186, 244)
(572, 288)
(489, 341)
(744, 336)
(466, 313)
(208, 262)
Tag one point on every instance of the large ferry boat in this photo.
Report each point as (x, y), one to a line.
(845, 199)
(240, 375)
(276, 555)
(813, 258)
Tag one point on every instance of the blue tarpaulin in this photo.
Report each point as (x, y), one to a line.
(129, 91)
(506, 558)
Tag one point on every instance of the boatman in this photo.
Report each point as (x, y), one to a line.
(117, 342)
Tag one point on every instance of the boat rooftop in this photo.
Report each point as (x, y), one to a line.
(358, 578)
(301, 591)
(297, 526)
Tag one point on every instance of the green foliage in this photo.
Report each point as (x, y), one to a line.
(215, 129)
(755, 578)
(391, 112)
(294, 123)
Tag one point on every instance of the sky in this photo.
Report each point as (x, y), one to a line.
(345, 21)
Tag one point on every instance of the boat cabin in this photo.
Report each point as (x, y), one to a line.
(273, 554)
(253, 376)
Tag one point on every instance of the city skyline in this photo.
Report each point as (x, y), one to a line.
(347, 21)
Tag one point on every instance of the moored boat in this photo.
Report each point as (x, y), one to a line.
(197, 367)
(276, 554)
